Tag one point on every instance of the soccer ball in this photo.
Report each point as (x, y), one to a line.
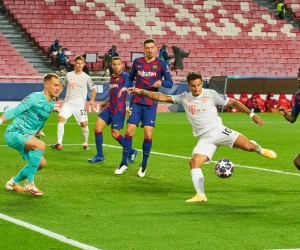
(224, 168)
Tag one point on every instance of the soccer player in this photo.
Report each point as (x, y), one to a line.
(114, 113)
(148, 72)
(293, 115)
(30, 116)
(77, 83)
(200, 108)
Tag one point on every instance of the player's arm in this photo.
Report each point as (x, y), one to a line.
(156, 96)
(104, 104)
(94, 93)
(244, 109)
(25, 105)
(130, 79)
(289, 116)
(167, 82)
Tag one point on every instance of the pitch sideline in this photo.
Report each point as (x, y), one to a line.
(48, 233)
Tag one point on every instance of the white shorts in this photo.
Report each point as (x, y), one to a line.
(211, 140)
(79, 113)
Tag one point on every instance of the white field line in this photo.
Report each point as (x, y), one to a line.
(48, 233)
(87, 247)
(188, 157)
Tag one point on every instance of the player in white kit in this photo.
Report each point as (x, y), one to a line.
(78, 83)
(200, 108)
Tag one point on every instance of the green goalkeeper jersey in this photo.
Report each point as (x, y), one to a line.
(31, 114)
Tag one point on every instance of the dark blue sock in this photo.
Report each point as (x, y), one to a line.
(147, 145)
(127, 144)
(99, 142)
(120, 139)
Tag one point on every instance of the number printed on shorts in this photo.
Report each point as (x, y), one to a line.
(227, 131)
(129, 112)
(83, 112)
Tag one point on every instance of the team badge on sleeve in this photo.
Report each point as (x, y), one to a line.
(223, 96)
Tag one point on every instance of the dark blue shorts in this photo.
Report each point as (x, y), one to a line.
(116, 120)
(141, 113)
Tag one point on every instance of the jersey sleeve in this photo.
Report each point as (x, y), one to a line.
(26, 104)
(167, 82)
(90, 83)
(219, 99)
(295, 109)
(177, 99)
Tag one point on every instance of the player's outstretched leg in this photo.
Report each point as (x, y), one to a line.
(13, 186)
(264, 152)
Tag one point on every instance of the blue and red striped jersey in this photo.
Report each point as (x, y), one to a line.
(116, 103)
(296, 107)
(145, 75)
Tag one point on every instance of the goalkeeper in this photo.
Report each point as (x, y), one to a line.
(29, 117)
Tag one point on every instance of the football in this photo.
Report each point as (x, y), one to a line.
(224, 168)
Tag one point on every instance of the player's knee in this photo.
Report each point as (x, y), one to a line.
(297, 161)
(61, 119)
(194, 163)
(97, 129)
(40, 146)
(115, 134)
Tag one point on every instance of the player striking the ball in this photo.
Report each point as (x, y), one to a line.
(200, 108)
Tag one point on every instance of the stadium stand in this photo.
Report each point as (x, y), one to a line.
(283, 101)
(243, 98)
(12, 63)
(260, 101)
(224, 37)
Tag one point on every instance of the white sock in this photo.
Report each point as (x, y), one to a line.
(85, 134)
(259, 149)
(60, 132)
(198, 180)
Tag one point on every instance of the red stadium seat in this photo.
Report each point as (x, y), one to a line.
(243, 98)
(284, 102)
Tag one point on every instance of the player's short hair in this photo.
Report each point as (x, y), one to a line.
(298, 72)
(149, 40)
(116, 58)
(193, 76)
(79, 58)
(49, 76)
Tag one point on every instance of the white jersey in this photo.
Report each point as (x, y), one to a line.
(77, 88)
(201, 110)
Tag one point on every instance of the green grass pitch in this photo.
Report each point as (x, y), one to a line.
(256, 208)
